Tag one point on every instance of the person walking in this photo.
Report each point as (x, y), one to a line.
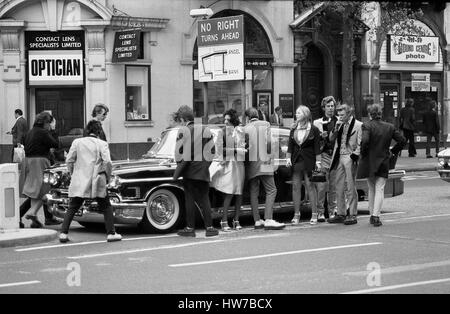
(375, 154)
(304, 156)
(277, 118)
(193, 166)
(18, 131)
(259, 169)
(38, 143)
(230, 174)
(326, 190)
(408, 125)
(89, 164)
(347, 136)
(99, 113)
(431, 127)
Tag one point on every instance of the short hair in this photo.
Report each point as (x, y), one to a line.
(328, 99)
(98, 109)
(304, 112)
(251, 113)
(375, 111)
(19, 112)
(348, 109)
(234, 118)
(409, 102)
(93, 127)
(278, 108)
(186, 113)
(43, 118)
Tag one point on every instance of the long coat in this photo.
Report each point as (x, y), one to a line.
(19, 130)
(353, 141)
(408, 119)
(259, 157)
(431, 122)
(376, 140)
(86, 154)
(193, 162)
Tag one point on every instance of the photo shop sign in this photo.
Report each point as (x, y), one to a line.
(55, 58)
(413, 49)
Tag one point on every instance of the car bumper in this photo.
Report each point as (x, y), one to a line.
(444, 174)
(124, 213)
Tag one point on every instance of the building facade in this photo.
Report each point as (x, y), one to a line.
(56, 55)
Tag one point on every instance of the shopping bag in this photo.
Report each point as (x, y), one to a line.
(19, 153)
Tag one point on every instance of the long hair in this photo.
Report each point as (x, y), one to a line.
(93, 127)
(305, 114)
(234, 118)
(43, 118)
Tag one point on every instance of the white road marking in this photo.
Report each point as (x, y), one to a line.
(406, 285)
(15, 284)
(275, 254)
(90, 243)
(401, 268)
(418, 217)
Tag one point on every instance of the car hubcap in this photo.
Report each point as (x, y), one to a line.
(162, 209)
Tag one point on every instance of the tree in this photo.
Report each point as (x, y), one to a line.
(395, 17)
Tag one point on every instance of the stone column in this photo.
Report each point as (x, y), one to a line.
(446, 78)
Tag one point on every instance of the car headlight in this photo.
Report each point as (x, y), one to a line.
(51, 178)
(114, 183)
(441, 161)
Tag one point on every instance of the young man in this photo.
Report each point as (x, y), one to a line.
(347, 134)
(262, 112)
(325, 125)
(277, 117)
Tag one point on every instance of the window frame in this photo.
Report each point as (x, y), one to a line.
(149, 118)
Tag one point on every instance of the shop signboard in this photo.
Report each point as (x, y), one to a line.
(420, 82)
(413, 49)
(286, 103)
(221, 49)
(126, 46)
(55, 58)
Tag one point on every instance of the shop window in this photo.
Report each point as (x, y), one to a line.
(262, 79)
(137, 93)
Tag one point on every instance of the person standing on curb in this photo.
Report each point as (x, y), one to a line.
(408, 125)
(432, 127)
(375, 154)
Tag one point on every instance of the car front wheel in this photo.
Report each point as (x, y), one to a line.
(163, 213)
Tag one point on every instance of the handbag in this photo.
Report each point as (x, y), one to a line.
(318, 176)
(19, 153)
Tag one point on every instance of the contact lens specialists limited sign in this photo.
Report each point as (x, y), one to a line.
(413, 49)
(126, 46)
(55, 58)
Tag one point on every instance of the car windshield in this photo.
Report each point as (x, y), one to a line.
(165, 146)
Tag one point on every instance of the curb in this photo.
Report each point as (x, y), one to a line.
(47, 237)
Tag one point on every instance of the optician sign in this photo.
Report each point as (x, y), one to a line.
(221, 49)
(413, 49)
(55, 58)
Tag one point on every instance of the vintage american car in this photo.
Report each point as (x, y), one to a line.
(143, 193)
(444, 164)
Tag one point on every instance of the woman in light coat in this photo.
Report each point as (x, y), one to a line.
(89, 163)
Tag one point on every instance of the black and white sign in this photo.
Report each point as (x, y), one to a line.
(126, 46)
(414, 49)
(55, 58)
(221, 49)
(420, 82)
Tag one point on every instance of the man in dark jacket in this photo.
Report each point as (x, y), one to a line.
(431, 125)
(408, 125)
(194, 154)
(375, 155)
(19, 130)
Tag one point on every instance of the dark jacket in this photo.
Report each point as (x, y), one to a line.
(38, 143)
(307, 152)
(196, 164)
(261, 117)
(376, 140)
(19, 131)
(431, 122)
(408, 119)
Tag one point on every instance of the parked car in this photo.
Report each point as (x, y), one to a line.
(444, 164)
(143, 193)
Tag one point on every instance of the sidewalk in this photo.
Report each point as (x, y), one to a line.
(418, 163)
(22, 237)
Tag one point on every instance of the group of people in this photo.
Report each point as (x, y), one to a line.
(338, 145)
(88, 161)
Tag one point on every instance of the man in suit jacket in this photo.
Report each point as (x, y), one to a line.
(262, 113)
(375, 154)
(432, 127)
(259, 168)
(19, 130)
(193, 161)
(408, 125)
(347, 136)
(277, 117)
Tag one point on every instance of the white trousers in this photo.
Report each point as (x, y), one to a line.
(376, 194)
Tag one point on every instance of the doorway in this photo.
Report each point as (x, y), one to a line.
(66, 106)
(312, 81)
